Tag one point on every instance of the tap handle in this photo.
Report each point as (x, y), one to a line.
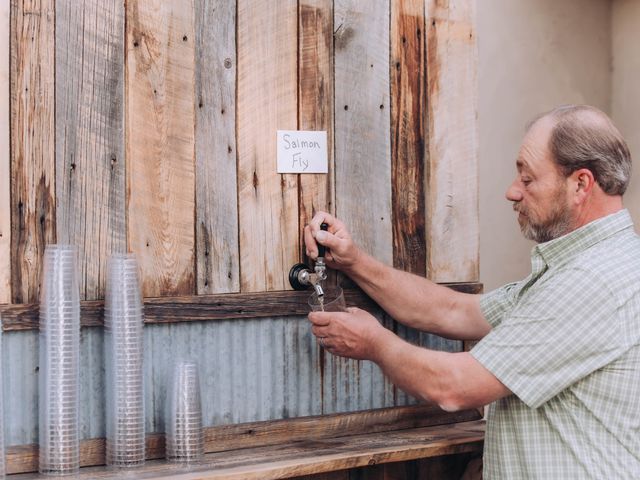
(321, 248)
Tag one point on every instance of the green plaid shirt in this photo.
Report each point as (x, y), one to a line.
(566, 342)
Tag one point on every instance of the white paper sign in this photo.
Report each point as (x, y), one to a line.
(301, 151)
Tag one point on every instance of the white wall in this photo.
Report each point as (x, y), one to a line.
(625, 102)
(533, 55)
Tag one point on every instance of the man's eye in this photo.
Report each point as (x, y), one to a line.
(526, 181)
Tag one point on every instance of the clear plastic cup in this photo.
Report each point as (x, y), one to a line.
(184, 436)
(333, 301)
(59, 361)
(124, 357)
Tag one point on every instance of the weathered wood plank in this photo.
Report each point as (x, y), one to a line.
(363, 165)
(408, 135)
(408, 145)
(304, 457)
(452, 202)
(217, 255)
(202, 307)
(32, 143)
(315, 108)
(362, 123)
(160, 143)
(267, 94)
(90, 179)
(5, 157)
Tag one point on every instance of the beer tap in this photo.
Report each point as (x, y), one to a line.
(301, 276)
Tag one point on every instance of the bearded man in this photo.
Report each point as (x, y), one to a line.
(559, 352)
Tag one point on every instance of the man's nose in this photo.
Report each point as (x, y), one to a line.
(514, 194)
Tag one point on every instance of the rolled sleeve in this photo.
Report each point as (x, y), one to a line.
(555, 336)
(495, 303)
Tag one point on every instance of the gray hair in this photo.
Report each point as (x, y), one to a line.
(585, 137)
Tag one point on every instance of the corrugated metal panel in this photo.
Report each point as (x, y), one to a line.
(250, 370)
(20, 363)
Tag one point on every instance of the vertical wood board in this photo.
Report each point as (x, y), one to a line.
(32, 143)
(408, 135)
(5, 160)
(90, 174)
(217, 254)
(408, 145)
(315, 108)
(267, 102)
(362, 123)
(160, 143)
(452, 203)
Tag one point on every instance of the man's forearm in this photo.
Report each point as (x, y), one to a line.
(417, 302)
(453, 381)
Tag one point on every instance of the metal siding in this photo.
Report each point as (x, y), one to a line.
(250, 370)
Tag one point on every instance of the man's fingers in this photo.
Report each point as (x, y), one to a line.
(320, 319)
(320, 331)
(310, 243)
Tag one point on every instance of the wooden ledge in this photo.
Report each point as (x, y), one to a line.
(202, 307)
(308, 457)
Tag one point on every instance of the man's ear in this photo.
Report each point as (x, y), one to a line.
(582, 182)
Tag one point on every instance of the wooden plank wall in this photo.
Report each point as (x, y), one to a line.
(5, 150)
(217, 250)
(90, 163)
(452, 180)
(160, 142)
(188, 182)
(267, 87)
(33, 201)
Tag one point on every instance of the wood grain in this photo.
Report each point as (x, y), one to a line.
(5, 157)
(160, 143)
(267, 102)
(362, 123)
(315, 107)
(90, 135)
(289, 459)
(32, 143)
(408, 147)
(452, 202)
(202, 307)
(408, 135)
(217, 254)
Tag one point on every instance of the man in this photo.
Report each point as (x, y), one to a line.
(559, 355)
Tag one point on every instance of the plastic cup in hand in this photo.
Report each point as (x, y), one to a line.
(333, 301)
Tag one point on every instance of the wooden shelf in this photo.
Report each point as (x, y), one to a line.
(202, 307)
(306, 457)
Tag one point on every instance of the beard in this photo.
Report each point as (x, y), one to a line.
(559, 221)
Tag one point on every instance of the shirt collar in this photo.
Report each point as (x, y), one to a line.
(566, 246)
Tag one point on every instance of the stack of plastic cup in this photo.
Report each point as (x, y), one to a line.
(123, 322)
(59, 358)
(185, 438)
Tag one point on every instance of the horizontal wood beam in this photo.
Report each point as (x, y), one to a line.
(17, 317)
(240, 437)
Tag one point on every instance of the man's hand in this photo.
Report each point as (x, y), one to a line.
(353, 334)
(342, 251)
